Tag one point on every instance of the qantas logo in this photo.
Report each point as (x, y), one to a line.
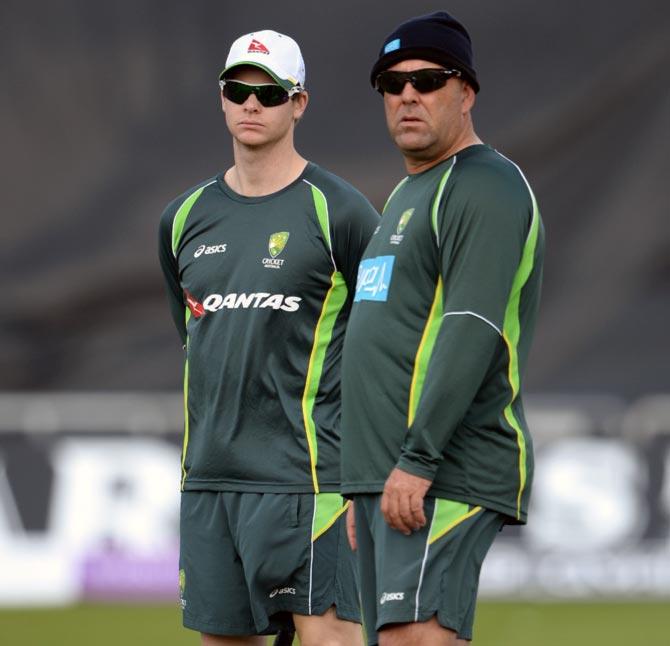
(258, 47)
(196, 308)
(257, 300)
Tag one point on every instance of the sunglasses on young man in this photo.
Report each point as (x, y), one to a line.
(268, 94)
(423, 81)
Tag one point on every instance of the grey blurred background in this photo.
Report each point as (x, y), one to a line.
(108, 110)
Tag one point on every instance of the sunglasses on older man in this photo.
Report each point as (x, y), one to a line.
(423, 81)
(268, 94)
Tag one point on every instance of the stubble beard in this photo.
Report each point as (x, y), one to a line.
(420, 146)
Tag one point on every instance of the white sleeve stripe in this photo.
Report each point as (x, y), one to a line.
(479, 316)
(530, 190)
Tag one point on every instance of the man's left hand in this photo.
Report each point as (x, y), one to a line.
(402, 501)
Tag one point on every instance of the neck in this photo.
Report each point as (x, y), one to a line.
(421, 162)
(266, 170)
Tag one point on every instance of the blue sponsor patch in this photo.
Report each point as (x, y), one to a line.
(392, 46)
(374, 279)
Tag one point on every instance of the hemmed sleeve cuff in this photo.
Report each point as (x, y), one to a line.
(417, 466)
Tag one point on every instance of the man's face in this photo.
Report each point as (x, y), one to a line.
(427, 126)
(254, 125)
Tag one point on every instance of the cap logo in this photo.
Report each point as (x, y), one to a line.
(257, 46)
(392, 46)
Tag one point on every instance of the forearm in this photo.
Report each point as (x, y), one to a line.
(463, 352)
(170, 273)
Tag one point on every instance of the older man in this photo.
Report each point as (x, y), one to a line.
(435, 448)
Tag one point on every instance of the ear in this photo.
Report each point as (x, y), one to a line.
(468, 97)
(300, 105)
(223, 103)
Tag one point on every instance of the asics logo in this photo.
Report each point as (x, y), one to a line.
(391, 596)
(209, 249)
(277, 591)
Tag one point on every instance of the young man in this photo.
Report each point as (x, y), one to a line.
(260, 264)
(435, 448)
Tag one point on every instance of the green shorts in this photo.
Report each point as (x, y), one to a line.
(248, 561)
(432, 572)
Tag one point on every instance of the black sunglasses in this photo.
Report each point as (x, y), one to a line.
(423, 81)
(268, 94)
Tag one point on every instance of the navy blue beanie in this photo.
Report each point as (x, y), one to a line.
(436, 37)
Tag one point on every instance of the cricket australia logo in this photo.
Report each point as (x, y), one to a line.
(276, 245)
(182, 588)
(397, 237)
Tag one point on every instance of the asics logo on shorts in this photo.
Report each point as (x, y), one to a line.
(391, 596)
(277, 591)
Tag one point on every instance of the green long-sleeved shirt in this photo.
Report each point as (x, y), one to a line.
(439, 335)
(260, 290)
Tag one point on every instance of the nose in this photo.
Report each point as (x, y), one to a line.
(409, 93)
(252, 103)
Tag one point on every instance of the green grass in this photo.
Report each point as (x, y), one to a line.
(573, 624)
(498, 624)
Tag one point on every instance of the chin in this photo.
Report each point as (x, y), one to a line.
(250, 139)
(412, 144)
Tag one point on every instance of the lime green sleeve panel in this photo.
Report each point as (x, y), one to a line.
(181, 215)
(321, 205)
(424, 352)
(433, 322)
(332, 305)
(511, 335)
(438, 198)
(393, 192)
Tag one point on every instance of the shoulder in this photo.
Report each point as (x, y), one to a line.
(485, 174)
(486, 184)
(173, 206)
(343, 199)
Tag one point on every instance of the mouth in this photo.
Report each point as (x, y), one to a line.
(250, 124)
(409, 120)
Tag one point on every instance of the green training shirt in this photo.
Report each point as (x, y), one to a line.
(438, 338)
(260, 289)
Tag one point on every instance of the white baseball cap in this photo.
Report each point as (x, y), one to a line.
(274, 53)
